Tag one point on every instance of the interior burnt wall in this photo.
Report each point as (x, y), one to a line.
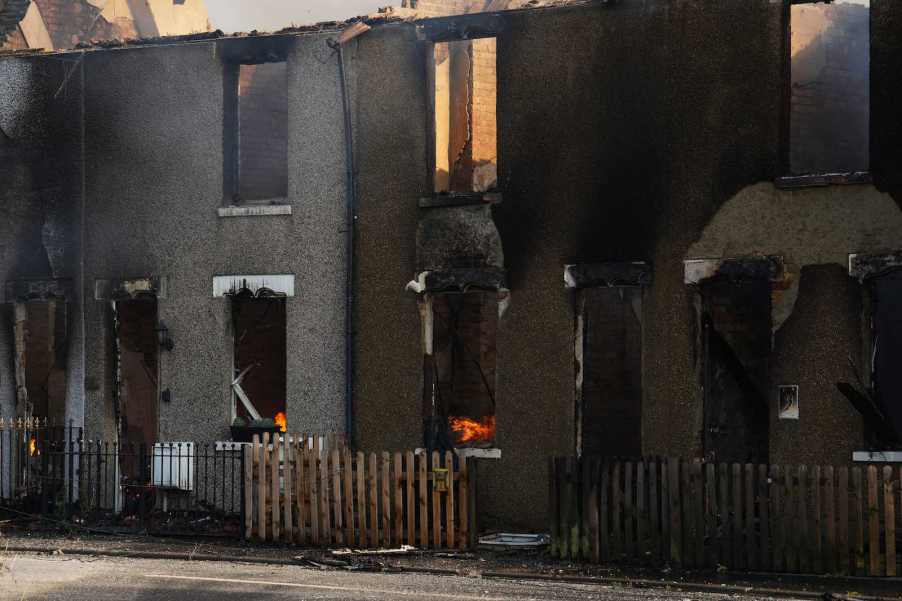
(40, 193)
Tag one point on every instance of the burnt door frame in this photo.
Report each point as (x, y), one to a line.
(634, 276)
(756, 274)
(118, 379)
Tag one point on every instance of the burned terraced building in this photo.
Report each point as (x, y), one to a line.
(643, 227)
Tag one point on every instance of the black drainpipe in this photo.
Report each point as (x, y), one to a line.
(350, 221)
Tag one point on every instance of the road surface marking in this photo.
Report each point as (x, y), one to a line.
(325, 587)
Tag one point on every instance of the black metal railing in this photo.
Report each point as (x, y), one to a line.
(177, 487)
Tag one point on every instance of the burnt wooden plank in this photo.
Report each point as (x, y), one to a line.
(664, 552)
(591, 483)
(629, 515)
(325, 513)
(710, 515)
(654, 522)
(463, 483)
(411, 499)
(361, 500)
(698, 510)
(842, 532)
(724, 535)
(817, 522)
(287, 472)
(858, 558)
(778, 511)
(373, 483)
(764, 518)
(261, 445)
(802, 532)
(347, 467)
(604, 535)
(641, 512)
(422, 475)
(751, 548)
(248, 491)
(687, 502)
(312, 476)
(616, 513)
(873, 512)
(386, 499)
(554, 491)
(450, 519)
(436, 504)
(397, 472)
(889, 520)
(829, 521)
(676, 518)
(736, 541)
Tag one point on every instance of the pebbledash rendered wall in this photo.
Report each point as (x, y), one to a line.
(616, 148)
(154, 122)
(611, 148)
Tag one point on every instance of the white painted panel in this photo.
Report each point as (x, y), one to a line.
(226, 285)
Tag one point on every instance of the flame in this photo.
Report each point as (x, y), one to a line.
(471, 430)
(33, 447)
(281, 421)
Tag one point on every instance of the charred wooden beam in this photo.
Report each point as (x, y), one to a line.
(461, 27)
(862, 267)
(597, 275)
(24, 290)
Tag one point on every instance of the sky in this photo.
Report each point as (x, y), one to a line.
(271, 15)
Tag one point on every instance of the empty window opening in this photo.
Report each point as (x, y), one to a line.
(830, 98)
(41, 344)
(460, 374)
(736, 322)
(137, 346)
(465, 91)
(260, 361)
(886, 292)
(611, 396)
(258, 132)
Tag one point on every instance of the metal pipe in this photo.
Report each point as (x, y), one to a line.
(350, 222)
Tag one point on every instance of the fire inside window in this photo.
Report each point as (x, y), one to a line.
(460, 376)
(260, 363)
(830, 98)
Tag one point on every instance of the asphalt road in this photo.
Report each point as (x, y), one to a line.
(32, 577)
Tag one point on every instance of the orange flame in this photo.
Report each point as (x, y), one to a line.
(471, 430)
(33, 447)
(281, 421)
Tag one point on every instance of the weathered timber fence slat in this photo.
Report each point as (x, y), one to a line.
(298, 490)
(797, 519)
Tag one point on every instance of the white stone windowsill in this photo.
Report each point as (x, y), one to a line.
(877, 456)
(254, 210)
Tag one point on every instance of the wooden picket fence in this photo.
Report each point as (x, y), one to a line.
(794, 519)
(301, 492)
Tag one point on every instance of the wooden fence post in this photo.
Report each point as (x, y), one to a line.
(829, 521)
(436, 505)
(842, 539)
(464, 508)
(361, 499)
(411, 499)
(422, 475)
(248, 475)
(629, 515)
(261, 484)
(397, 472)
(604, 524)
(348, 479)
(676, 520)
(873, 523)
(764, 517)
(289, 504)
(889, 522)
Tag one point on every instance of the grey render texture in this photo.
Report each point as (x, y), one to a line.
(611, 148)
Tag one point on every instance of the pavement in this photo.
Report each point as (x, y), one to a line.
(26, 576)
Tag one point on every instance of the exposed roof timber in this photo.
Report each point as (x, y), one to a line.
(460, 27)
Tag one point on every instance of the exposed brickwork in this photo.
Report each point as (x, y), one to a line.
(14, 41)
(70, 22)
(263, 132)
(830, 88)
